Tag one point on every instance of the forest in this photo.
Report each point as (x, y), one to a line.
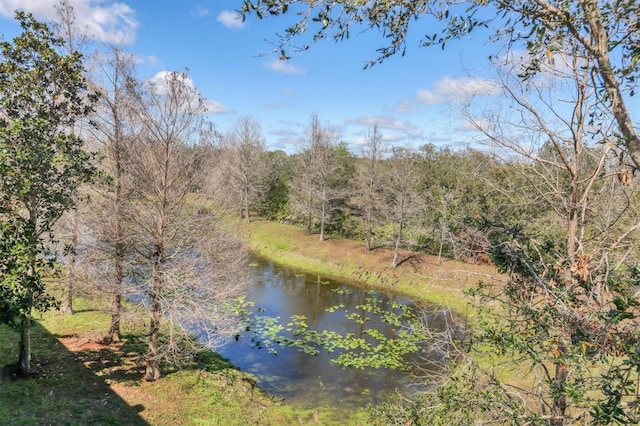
(122, 185)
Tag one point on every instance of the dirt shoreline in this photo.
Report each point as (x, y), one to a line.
(418, 275)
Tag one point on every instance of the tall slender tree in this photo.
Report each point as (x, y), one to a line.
(43, 92)
(368, 198)
(65, 27)
(109, 245)
(245, 163)
(402, 193)
(189, 268)
(314, 170)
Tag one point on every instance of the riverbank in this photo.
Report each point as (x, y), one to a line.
(80, 381)
(420, 276)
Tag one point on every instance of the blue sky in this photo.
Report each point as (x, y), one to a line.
(413, 99)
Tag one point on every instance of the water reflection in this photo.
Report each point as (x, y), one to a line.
(296, 376)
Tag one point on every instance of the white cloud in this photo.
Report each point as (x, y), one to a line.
(231, 19)
(159, 84)
(382, 121)
(475, 125)
(429, 98)
(201, 11)
(283, 67)
(147, 59)
(457, 89)
(392, 129)
(213, 107)
(100, 20)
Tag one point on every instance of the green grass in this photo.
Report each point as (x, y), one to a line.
(346, 260)
(79, 387)
(102, 385)
(62, 390)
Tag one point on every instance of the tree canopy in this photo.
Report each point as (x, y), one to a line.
(42, 163)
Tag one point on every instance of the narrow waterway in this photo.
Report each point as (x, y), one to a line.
(313, 380)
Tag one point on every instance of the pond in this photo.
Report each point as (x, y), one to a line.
(312, 380)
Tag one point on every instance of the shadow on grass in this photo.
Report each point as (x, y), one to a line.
(123, 362)
(60, 391)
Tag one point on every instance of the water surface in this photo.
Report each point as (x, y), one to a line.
(312, 380)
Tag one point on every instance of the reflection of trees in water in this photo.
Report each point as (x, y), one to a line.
(292, 374)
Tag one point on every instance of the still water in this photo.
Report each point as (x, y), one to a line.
(295, 376)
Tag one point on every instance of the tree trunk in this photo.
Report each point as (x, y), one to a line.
(559, 408)
(323, 214)
(368, 236)
(24, 361)
(152, 371)
(114, 330)
(308, 229)
(114, 334)
(397, 248)
(246, 205)
(600, 50)
(67, 300)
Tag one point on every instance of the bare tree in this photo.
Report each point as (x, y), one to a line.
(304, 176)
(67, 230)
(402, 192)
(189, 266)
(107, 245)
(567, 309)
(244, 162)
(368, 196)
(315, 166)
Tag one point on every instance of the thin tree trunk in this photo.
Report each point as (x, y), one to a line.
(368, 236)
(115, 334)
(397, 248)
(246, 204)
(323, 214)
(559, 408)
(67, 300)
(152, 371)
(308, 229)
(24, 361)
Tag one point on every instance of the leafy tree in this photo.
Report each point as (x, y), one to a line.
(42, 164)
(341, 186)
(460, 195)
(274, 202)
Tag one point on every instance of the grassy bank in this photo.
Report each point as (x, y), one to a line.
(79, 381)
(421, 276)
